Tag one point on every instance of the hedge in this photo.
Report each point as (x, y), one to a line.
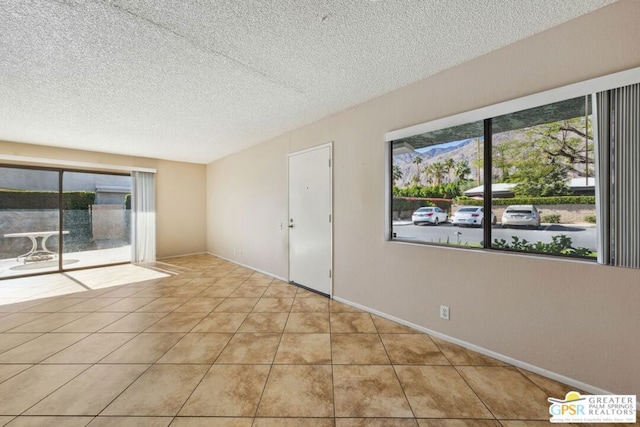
(551, 218)
(552, 200)
(20, 199)
(447, 191)
(560, 244)
(403, 204)
(400, 204)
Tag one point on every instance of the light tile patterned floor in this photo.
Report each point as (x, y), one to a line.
(221, 345)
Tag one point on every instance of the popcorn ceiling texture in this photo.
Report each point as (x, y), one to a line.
(197, 80)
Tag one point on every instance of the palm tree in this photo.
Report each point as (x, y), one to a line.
(416, 161)
(449, 164)
(427, 174)
(479, 161)
(461, 169)
(438, 169)
(501, 161)
(397, 173)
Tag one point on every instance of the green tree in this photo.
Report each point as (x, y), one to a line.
(449, 165)
(501, 161)
(461, 169)
(439, 170)
(417, 160)
(397, 173)
(478, 163)
(427, 174)
(537, 178)
(540, 159)
(568, 142)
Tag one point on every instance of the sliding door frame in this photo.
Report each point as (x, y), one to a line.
(60, 171)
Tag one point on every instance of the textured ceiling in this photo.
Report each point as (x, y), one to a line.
(195, 80)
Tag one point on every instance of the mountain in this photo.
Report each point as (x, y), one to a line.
(466, 150)
(561, 144)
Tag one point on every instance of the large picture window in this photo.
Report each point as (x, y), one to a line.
(542, 159)
(430, 171)
(556, 179)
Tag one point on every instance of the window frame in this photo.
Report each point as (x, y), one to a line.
(580, 89)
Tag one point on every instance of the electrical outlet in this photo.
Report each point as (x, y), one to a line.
(444, 312)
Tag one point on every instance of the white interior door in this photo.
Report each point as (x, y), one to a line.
(310, 216)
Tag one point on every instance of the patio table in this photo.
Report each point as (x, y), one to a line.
(37, 252)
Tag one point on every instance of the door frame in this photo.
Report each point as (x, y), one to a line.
(295, 153)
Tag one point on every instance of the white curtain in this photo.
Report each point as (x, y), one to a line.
(143, 223)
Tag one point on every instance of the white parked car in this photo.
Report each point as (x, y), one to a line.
(471, 216)
(521, 215)
(429, 215)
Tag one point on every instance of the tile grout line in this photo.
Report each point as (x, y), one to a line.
(98, 362)
(39, 334)
(333, 372)
(148, 368)
(11, 331)
(394, 370)
(474, 391)
(57, 388)
(217, 357)
(264, 388)
(124, 389)
(464, 379)
(91, 365)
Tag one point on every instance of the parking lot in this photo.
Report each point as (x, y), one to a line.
(581, 235)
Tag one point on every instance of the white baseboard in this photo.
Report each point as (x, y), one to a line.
(249, 266)
(506, 359)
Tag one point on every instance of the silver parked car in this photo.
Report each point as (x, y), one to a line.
(429, 215)
(471, 216)
(521, 215)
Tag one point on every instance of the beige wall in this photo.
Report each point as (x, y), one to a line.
(244, 213)
(180, 193)
(576, 319)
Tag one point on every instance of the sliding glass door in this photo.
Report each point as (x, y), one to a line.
(96, 218)
(53, 219)
(29, 221)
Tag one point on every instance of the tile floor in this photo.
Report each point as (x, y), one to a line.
(13, 267)
(36, 288)
(221, 345)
